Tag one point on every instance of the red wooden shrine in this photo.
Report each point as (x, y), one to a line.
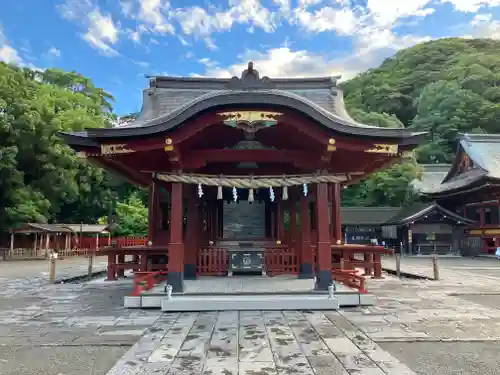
(286, 144)
(472, 187)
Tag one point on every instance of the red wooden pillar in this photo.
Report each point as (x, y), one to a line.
(323, 248)
(121, 260)
(280, 218)
(220, 202)
(176, 245)
(152, 208)
(111, 271)
(267, 222)
(272, 220)
(212, 218)
(192, 235)
(293, 222)
(306, 254)
(335, 214)
(217, 220)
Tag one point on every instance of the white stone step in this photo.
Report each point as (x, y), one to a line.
(155, 301)
(249, 302)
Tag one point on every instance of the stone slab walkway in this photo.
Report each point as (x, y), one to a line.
(256, 343)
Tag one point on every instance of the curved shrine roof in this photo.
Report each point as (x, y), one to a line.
(484, 151)
(169, 101)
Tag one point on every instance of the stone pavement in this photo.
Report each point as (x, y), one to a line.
(424, 327)
(63, 329)
(257, 343)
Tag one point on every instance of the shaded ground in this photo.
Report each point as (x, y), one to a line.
(63, 329)
(67, 360)
(458, 358)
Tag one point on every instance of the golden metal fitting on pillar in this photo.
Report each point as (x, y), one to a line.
(331, 145)
(169, 144)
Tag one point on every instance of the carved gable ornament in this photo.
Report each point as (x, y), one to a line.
(250, 80)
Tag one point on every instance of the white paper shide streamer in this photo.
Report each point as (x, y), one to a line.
(284, 195)
(271, 194)
(251, 197)
(235, 194)
(200, 191)
(304, 189)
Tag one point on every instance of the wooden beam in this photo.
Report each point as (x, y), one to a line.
(124, 171)
(200, 158)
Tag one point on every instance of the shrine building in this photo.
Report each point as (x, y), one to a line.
(471, 188)
(249, 168)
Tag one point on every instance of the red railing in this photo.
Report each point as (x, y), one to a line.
(212, 261)
(281, 261)
(350, 279)
(129, 241)
(147, 280)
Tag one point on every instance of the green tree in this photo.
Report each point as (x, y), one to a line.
(131, 217)
(42, 180)
(444, 87)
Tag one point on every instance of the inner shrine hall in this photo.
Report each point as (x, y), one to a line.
(244, 174)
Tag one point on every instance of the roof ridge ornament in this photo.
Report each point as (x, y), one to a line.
(250, 80)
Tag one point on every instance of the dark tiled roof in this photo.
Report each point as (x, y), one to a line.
(484, 151)
(432, 176)
(367, 215)
(169, 101)
(419, 211)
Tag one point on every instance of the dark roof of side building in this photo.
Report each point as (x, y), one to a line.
(367, 215)
(61, 228)
(432, 176)
(484, 151)
(419, 211)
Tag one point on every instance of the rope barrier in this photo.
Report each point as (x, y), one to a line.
(247, 182)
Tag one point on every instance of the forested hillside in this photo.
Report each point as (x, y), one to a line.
(444, 87)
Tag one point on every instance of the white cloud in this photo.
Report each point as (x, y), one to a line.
(471, 5)
(210, 43)
(151, 16)
(101, 32)
(342, 21)
(485, 26)
(8, 53)
(284, 62)
(53, 52)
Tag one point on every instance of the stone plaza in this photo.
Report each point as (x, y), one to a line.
(450, 326)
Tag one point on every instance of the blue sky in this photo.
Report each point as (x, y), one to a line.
(117, 43)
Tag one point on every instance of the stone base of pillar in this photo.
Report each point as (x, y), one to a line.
(176, 279)
(323, 279)
(306, 271)
(190, 271)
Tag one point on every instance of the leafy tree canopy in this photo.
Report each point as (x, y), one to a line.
(40, 178)
(443, 87)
